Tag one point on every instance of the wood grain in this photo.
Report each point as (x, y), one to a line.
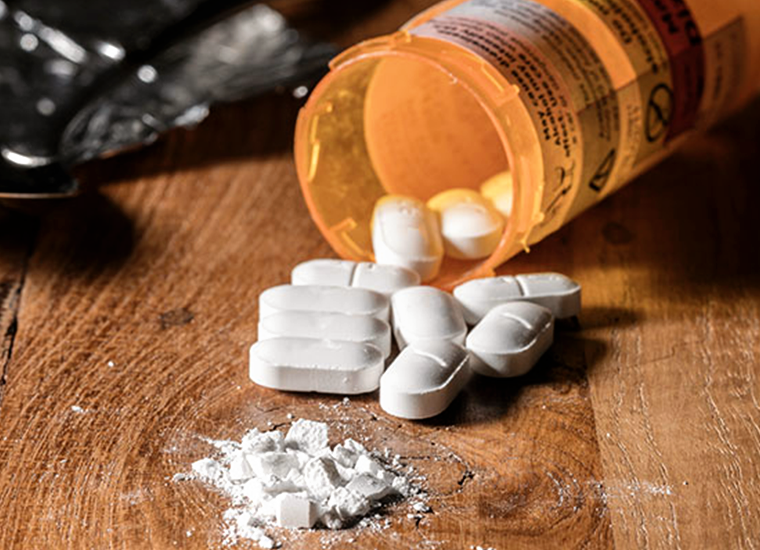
(680, 401)
(129, 338)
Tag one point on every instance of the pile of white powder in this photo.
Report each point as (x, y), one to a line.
(342, 484)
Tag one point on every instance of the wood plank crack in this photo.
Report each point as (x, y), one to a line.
(13, 269)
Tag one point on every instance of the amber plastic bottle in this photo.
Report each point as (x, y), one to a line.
(570, 98)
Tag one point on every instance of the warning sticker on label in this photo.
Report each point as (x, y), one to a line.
(678, 106)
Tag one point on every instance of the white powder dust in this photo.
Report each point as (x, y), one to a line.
(344, 483)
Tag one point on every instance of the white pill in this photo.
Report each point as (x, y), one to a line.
(327, 326)
(511, 339)
(309, 365)
(327, 271)
(471, 226)
(406, 233)
(424, 313)
(327, 299)
(551, 290)
(296, 511)
(385, 279)
(555, 291)
(424, 379)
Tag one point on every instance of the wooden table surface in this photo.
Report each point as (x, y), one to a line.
(640, 429)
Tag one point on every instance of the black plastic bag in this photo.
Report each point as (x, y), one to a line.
(81, 79)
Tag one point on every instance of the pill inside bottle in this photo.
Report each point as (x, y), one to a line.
(471, 226)
(406, 233)
(417, 140)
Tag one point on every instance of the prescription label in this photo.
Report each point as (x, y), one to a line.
(604, 117)
(563, 85)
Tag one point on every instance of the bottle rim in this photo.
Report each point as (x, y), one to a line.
(495, 95)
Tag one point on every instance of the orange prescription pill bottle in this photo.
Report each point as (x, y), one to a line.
(545, 106)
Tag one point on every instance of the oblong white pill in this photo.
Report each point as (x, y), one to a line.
(385, 279)
(323, 271)
(327, 326)
(327, 299)
(511, 339)
(309, 365)
(406, 233)
(471, 226)
(424, 379)
(423, 313)
(557, 292)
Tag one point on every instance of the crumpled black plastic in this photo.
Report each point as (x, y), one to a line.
(81, 79)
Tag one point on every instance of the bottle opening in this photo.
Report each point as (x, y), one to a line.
(396, 124)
